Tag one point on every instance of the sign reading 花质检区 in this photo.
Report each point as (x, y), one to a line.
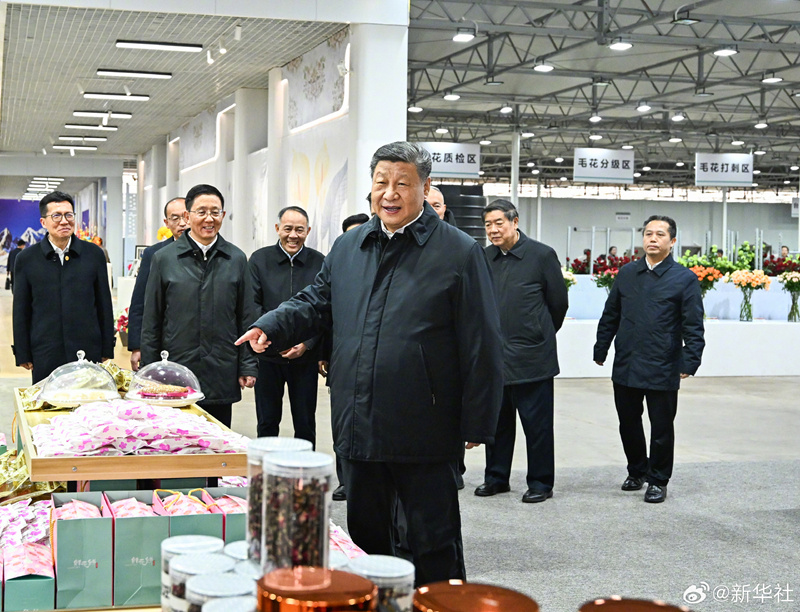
(603, 166)
(723, 169)
(454, 159)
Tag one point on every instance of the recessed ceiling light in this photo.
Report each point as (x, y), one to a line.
(595, 118)
(506, 109)
(737, 143)
(726, 51)
(100, 114)
(83, 138)
(637, 174)
(646, 168)
(464, 35)
(49, 179)
(558, 160)
(679, 116)
(756, 171)
(441, 130)
(99, 128)
(75, 147)
(770, 78)
(627, 147)
(451, 97)
(485, 142)
(761, 124)
(620, 45)
(643, 107)
(414, 109)
(794, 168)
(595, 137)
(527, 134)
(107, 96)
(543, 67)
(158, 46)
(531, 164)
(133, 74)
(680, 164)
(676, 139)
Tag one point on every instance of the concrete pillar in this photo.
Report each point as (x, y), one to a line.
(276, 122)
(115, 221)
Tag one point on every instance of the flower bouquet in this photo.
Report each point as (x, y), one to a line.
(163, 233)
(606, 278)
(122, 327)
(707, 276)
(791, 283)
(569, 278)
(748, 281)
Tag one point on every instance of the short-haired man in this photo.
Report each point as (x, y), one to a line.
(532, 300)
(62, 301)
(403, 293)
(278, 272)
(12, 258)
(175, 220)
(198, 301)
(435, 198)
(353, 221)
(784, 251)
(655, 310)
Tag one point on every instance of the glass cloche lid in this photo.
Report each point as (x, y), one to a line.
(165, 383)
(78, 382)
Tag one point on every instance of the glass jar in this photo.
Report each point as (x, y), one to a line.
(183, 545)
(249, 569)
(236, 550)
(314, 589)
(460, 596)
(256, 450)
(183, 567)
(232, 604)
(297, 499)
(338, 560)
(394, 578)
(208, 587)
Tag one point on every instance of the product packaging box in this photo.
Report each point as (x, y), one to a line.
(137, 552)
(83, 554)
(192, 524)
(28, 581)
(235, 523)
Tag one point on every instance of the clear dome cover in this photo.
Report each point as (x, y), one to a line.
(78, 382)
(165, 383)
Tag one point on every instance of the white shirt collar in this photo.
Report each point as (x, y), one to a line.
(61, 252)
(203, 247)
(402, 229)
(653, 266)
(291, 257)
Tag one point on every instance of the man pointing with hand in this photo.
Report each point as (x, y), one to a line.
(403, 295)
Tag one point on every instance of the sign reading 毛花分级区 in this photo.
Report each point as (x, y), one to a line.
(723, 169)
(454, 159)
(603, 166)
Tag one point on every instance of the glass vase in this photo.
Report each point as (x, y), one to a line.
(746, 309)
(794, 311)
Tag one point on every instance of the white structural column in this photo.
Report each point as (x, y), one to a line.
(538, 207)
(378, 77)
(515, 169)
(276, 132)
(115, 225)
(250, 134)
(725, 222)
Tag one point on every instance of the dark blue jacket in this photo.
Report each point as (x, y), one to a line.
(416, 367)
(657, 317)
(136, 310)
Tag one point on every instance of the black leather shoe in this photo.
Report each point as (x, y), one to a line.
(632, 483)
(534, 497)
(487, 489)
(339, 494)
(655, 494)
(459, 481)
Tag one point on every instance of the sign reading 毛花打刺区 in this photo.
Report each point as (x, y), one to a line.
(603, 166)
(454, 159)
(723, 169)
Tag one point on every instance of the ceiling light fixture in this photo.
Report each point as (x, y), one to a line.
(222, 48)
(563, 178)
(759, 152)
(701, 92)
(441, 130)
(675, 139)
(464, 35)
(506, 109)
(786, 182)
(726, 51)
(527, 134)
(101, 114)
(761, 124)
(620, 45)
(543, 67)
(637, 174)
(492, 82)
(158, 46)
(680, 164)
(535, 171)
(451, 97)
(595, 117)
(83, 138)
(595, 137)
(737, 143)
(682, 17)
(75, 147)
(415, 109)
(770, 78)
(627, 147)
(646, 168)
(481, 173)
(133, 74)
(107, 96)
(601, 82)
(209, 59)
(755, 184)
(558, 160)
(794, 168)
(531, 164)
(485, 142)
(679, 116)
(756, 171)
(643, 107)
(83, 126)
(44, 151)
(237, 32)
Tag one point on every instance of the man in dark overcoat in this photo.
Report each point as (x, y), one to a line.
(198, 301)
(405, 294)
(532, 299)
(655, 310)
(62, 301)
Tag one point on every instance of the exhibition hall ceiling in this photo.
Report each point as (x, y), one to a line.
(725, 65)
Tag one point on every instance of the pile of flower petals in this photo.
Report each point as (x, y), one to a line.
(124, 427)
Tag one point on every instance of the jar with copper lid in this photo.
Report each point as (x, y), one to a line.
(615, 603)
(297, 499)
(393, 576)
(460, 596)
(315, 589)
(256, 450)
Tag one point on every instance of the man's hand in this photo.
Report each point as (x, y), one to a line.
(599, 362)
(257, 339)
(136, 357)
(470, 445)
(27, 366)
(247, 381)
(323, 368)
(685, 375)
(296, 351)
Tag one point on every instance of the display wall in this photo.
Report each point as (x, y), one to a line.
(18, 219)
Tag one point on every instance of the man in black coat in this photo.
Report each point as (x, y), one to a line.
(404, 294)
(175, 220)
(198, 301)
(532, 299)
(278, 272)
(62, 301)
(655, 310)
(12, 258)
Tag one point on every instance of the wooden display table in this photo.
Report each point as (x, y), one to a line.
(125, 467)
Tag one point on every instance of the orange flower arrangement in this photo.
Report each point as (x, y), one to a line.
(707, 276)
(748, 281)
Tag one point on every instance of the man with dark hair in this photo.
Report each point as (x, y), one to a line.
(784, 251)
(402, 293)
(532, 300)
(198, 301)
(278, 272)
(12, 258)
(655, 310)
(175, 219)
(354, 221)
(62, 301)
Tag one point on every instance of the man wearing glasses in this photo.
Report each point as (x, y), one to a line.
(198, 301)
(176, 221)
(62, 301)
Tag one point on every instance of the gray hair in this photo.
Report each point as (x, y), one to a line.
(504, 206)
(402, 151)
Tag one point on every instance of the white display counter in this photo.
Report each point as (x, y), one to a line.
(733, 348)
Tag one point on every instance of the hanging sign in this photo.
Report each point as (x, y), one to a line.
(603, 166)
(723, 169)
(795, 207)
(454, 159)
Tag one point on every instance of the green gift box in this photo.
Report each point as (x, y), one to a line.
(83, 553)
(192, 524)
(137, 553)
(29, 593)
(235, 524)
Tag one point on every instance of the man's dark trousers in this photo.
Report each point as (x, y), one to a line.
(534, 402)
(429, 497)
(302, 379)
(662, 406)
